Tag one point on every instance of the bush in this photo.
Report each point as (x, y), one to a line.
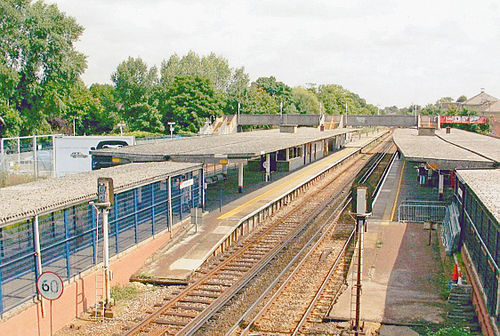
(450, 331)
(126, 292)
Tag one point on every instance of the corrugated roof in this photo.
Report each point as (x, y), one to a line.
(21, 201)
(485, 183)
(246, 144)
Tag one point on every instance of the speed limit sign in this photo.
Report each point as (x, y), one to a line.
(50, 285)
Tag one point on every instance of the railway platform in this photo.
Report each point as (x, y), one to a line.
(219, 229)
(398, 280)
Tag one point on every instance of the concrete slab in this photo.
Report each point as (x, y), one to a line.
(486, 185)
(487, 146)
(398, 268)
(391, 330)
(435, 150)
(180, 260)
(236, 145)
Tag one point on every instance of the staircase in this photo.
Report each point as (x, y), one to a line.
(462, 311)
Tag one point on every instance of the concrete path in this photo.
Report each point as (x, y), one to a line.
(398, 268)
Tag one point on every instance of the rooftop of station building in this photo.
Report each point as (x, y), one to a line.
(459, 149)
(24, 200)
(237, 145)
(485, 183)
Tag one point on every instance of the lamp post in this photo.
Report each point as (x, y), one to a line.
(171, 127)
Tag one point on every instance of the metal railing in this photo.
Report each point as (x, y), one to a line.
(417, 211)
(68, 237)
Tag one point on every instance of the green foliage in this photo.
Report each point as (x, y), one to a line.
(134, 82)
(188, 101)
(450, 331)
(212, 67)
(478, 128)
(10, 121)
(237, 89)
(444, 100)
(37, 60)
(305, 101)
(126, 292)
(135, 87)
(431, 109)
(461, 99)
(258, 101)
(334, 98)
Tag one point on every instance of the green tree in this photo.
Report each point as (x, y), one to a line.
(188, 101)
(334, 97)
(461, 99)
(106, 95)
(444, 100)
(135, 87)
(305, 101)
(90, 115)
(258, 101)
(37, 49)
(279, 91)
(212, 67)
(432, 109)
(237, 89)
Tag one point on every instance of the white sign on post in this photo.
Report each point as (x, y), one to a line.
(185, 184)
(50, 285)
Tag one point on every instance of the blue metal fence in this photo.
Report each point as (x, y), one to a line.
(68, 237)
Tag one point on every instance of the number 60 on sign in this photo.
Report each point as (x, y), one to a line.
(50, 285)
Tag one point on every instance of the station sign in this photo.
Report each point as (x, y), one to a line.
(50, 285)
(462, 120)
(185, 184)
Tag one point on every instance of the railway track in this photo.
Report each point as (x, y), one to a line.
(299, 306)
(217, 283)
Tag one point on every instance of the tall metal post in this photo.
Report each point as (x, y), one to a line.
(35, 158)
(36, 241)
(170, 215)
(18, 153)
(240, 177)
(53, 156)
(360, 224)
(105, 253)
(268, 167)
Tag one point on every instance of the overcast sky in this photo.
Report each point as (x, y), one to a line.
(390, 52)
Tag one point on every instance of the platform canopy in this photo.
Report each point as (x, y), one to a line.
(457, 150)
(211, 148)
(25, 200)
(485, 183)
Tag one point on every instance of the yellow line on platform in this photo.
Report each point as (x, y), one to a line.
(319, 164)
(397, 194)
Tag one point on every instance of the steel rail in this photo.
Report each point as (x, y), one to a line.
(344, 205)
(185, 292)
(199, 320)
(289, 266)
(193, 326)
(324, 283)
(341, 254)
